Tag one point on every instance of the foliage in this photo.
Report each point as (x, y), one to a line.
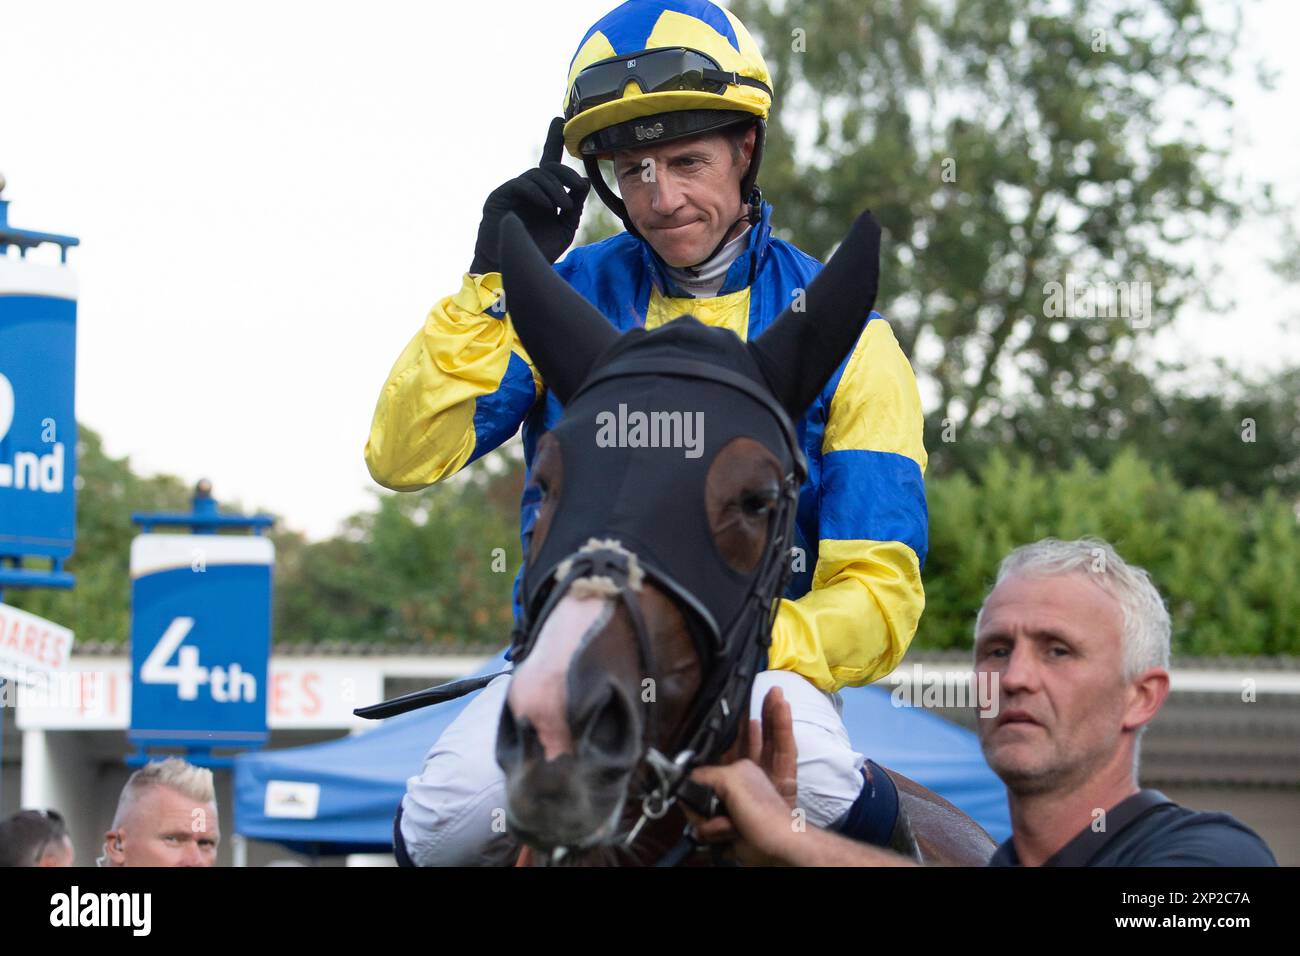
(98, 608)
(1230, 571)
(421, 568)
(1005, 145)
(1240, 441)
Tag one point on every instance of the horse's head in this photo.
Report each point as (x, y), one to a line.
(668, 494)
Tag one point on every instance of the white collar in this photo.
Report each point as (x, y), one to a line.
(704, 281)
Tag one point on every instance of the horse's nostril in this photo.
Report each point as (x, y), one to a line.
(507, 738)
(516, 739)
(610, 728)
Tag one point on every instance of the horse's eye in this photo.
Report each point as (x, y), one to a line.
(756, 504)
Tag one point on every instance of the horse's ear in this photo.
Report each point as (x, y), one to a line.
(800, 351)
(561, 331)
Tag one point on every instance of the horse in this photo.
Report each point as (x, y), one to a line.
(653, 576)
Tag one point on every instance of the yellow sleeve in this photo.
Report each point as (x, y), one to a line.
(461, 386)
(856, 621)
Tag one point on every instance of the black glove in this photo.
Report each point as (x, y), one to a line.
(535, 198)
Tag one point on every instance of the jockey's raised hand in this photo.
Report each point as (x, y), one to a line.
(548, 198)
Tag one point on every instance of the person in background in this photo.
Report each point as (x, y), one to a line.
(166, 816)
(1077, 641)
(35, 838)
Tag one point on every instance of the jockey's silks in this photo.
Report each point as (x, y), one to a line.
(464, 384)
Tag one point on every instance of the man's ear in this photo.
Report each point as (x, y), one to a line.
(1147, 694)
(747, 150)
(113, 848)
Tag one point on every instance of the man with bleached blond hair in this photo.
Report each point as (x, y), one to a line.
(166, 816)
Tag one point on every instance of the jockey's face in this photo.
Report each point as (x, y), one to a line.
(684, 196)
(1052, 647)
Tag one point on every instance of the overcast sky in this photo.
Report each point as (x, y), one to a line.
(271, 195)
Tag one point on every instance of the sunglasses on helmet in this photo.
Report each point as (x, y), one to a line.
(662, 70)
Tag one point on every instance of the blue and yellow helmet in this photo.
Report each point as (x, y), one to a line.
(661, 70)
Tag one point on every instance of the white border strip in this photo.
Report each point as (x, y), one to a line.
(151, 553)
(22, 277)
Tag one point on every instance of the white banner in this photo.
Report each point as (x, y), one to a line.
(304, 693)
(31, 645)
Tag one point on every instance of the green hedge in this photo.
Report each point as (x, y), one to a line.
(1230, 572)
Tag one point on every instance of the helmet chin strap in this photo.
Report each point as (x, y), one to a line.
(754, 216)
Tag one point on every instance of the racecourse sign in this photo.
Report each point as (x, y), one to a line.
(38, 426)
(200, 639)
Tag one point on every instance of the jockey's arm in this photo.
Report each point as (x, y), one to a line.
(461, 387)
(855, 623)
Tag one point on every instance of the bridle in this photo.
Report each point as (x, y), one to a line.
(731, 652)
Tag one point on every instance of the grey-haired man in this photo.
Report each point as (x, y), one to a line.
(1078, 643)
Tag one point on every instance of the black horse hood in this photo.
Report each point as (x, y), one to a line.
(637, 442)
(687, 338)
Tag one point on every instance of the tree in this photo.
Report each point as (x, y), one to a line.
(1228, 570)
(98, 608)
(1006, 145)
(1241, 439)
(434, 567)
(423, 568)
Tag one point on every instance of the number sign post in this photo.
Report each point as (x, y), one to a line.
(200, 633)
(38, 424)
(38, 442)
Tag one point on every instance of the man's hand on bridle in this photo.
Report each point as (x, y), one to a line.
(548, 198)
(758, 790)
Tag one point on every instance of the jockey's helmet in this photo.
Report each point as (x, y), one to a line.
(652, 71)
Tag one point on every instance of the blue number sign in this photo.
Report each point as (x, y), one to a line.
(38, 425)
(200, 639)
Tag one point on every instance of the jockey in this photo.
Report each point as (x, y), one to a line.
(676, 93)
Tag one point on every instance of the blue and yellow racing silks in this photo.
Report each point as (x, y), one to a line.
(463, 385)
